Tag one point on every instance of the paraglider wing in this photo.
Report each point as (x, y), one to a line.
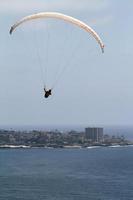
(62, 17)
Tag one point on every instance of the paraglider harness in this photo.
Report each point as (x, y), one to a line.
(47, 93)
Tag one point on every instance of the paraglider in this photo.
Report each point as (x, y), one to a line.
(65, 18)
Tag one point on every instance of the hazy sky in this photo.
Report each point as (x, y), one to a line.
(98, 90)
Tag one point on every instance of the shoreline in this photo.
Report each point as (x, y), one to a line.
(63, 147)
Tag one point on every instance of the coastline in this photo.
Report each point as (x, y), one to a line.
(63, 147)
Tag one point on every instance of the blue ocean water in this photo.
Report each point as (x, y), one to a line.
(66, 174)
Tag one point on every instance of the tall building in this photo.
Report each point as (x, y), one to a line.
(94, 134)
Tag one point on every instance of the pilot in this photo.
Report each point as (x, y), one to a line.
(47, 93)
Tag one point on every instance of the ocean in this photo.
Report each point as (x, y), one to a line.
(102, 173)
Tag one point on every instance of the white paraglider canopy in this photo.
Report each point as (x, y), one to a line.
(60, 16)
